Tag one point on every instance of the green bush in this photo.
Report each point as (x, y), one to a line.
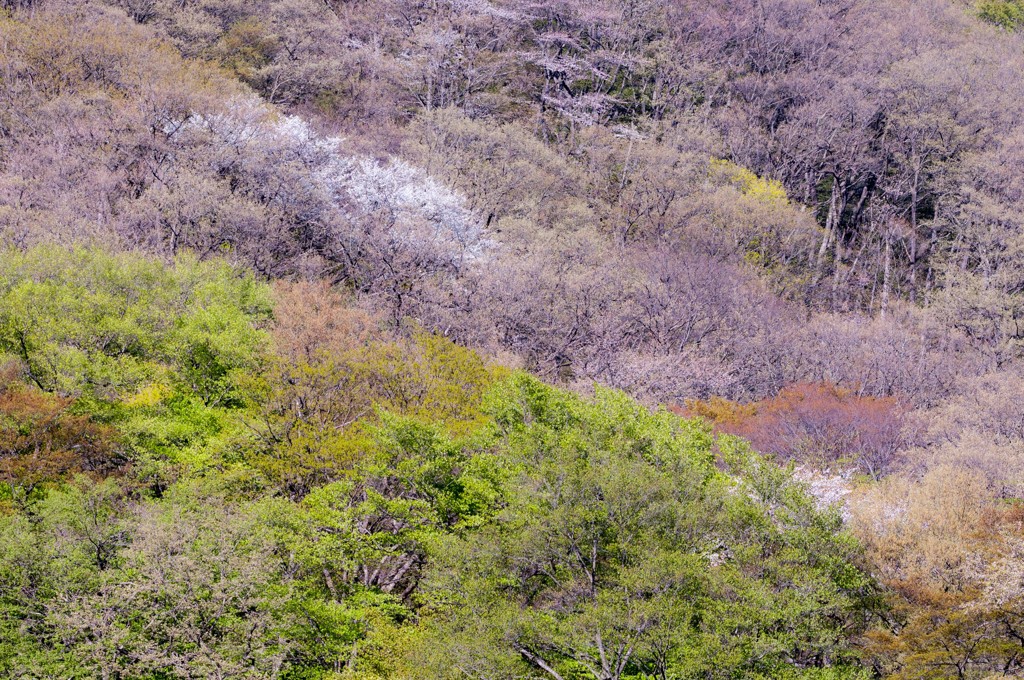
(1008, 14)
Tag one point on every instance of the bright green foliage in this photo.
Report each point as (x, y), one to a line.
(370, 507)
(156, 349)
(1008, 14)
(622, 551)
(108, 326)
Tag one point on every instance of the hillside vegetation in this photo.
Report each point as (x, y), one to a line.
(620, 339)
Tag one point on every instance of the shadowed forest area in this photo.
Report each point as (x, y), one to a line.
(511, 339)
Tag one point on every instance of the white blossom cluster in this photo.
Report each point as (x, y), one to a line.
(417, 210)
(828, 490)
(416, 200)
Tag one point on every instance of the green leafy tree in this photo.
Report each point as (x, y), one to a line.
(623, 550)
(156, 349)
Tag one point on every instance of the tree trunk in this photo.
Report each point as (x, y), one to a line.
(886, 271)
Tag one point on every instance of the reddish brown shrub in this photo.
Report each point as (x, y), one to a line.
(815, 423)
(40, 440)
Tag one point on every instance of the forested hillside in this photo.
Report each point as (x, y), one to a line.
(504, 339)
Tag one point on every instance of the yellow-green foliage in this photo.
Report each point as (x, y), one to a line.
(317, 414)
(431, 378)
(1008, 14)
(84, 322)
(157, 349)
(769, 191)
